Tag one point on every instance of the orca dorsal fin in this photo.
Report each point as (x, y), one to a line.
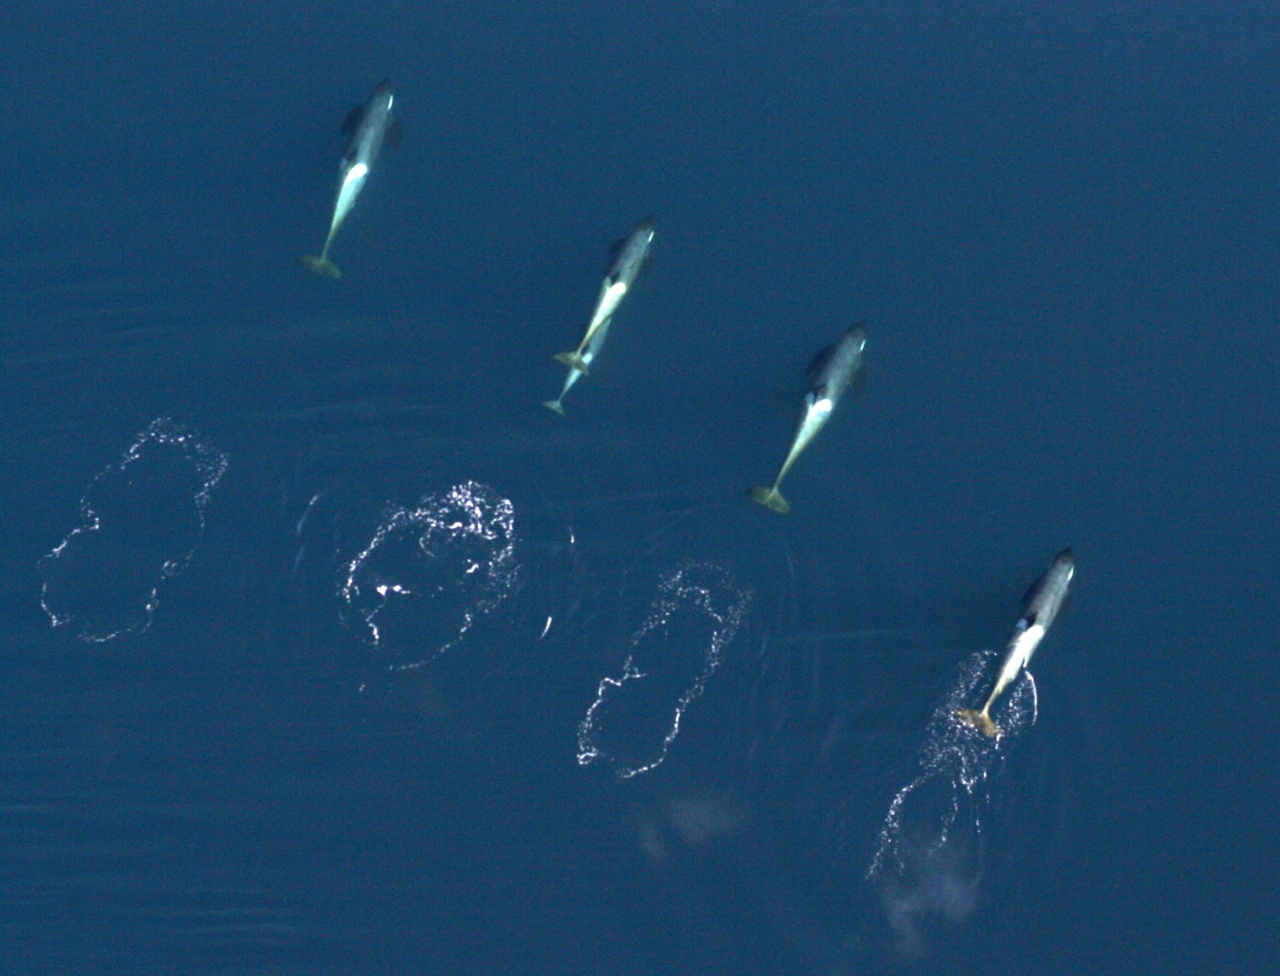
(1031, 594)
(819, 360)
(352, 120)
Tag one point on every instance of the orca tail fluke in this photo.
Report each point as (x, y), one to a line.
(320, 265)
(554, 405)
(573, 360)
(979, 720)
(769, 498)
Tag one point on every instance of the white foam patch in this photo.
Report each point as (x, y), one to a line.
(431, 571)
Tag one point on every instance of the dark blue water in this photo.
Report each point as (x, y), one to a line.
(326, 649)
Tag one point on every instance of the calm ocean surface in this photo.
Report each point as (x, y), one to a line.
(325, 649)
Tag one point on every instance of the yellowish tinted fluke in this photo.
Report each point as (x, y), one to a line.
(770, 498)
(320, 265)
(573, 360)
(979, 720)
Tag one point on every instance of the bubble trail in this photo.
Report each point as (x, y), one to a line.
(928, 858)
(694, 617)
(141, 521)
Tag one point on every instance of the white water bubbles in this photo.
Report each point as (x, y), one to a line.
(637, 714)
(141, 521)
(929, 855)
(431, 571)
